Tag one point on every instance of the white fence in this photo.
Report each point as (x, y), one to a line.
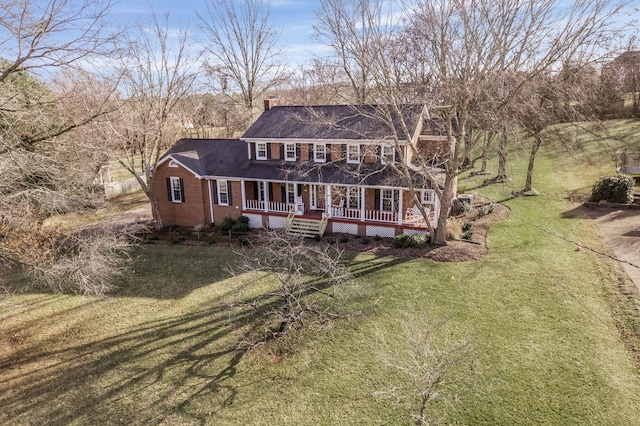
(126, 186)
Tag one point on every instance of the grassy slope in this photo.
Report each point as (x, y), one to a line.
(159, 351)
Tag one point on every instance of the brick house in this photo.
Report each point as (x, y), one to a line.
(330, 165)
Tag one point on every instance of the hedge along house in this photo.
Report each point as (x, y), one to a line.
(330, 165)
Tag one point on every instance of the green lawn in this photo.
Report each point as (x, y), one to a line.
(541, 318)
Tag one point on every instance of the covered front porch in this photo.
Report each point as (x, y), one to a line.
(384, 205)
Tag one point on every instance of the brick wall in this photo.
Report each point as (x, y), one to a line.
(193, 211)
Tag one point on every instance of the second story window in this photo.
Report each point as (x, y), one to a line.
(320, 153)
(261, 150)
(353, 154)
(387, 154)
(290, 152)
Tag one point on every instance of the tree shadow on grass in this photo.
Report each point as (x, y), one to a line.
(149, 372)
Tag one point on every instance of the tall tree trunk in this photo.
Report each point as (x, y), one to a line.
(488, 137)
(445, 207)
(503, 155)
(532, 158)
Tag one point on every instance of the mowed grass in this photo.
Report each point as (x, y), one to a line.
(160, 350)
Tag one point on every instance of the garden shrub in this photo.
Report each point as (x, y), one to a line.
(468, 235)
(405, 241)
(227, 224)
(241, 226)
(613, 189)
(179, 239)
(344, 239)
(402, 241)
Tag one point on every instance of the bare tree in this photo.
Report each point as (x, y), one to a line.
(303, 275)
(428, 365)
(39, 35)
(242, 44)
(45, 169)
(158, 71)
(464, 56)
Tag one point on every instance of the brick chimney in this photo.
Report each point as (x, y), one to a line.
(271, 102)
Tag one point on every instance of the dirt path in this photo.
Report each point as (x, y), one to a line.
(620, 229)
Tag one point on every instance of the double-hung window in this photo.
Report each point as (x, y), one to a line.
(176, 191)
(223, 193)
(353, 153)
(319, 153)
(291, 193)
(387, 154)
(427, 196)
(387, 200)
(261, 150)
(290, 151)
(353, 197)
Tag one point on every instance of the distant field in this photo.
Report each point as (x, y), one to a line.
(548, 326)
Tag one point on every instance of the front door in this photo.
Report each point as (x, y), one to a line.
(318, 197)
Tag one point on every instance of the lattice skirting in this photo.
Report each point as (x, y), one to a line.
(344, 228)
(255, 220)
(383, 231)
(277, 222)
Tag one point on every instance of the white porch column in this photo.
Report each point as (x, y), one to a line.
(266, 195)
(244, 194)
(436, 210)
(362, 209)
(400, 209)
(328, 202)
(210, 185)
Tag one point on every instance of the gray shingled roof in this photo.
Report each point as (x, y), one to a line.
(357, 122)
(229, 158)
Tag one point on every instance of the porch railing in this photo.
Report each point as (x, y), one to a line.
(342, 213)
(345, 213)
(272, 206)
(381, 216)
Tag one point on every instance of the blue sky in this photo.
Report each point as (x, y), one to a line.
(294, 18)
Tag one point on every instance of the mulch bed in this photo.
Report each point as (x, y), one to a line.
(454, 251)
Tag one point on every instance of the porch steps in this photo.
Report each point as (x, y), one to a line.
(308, 228)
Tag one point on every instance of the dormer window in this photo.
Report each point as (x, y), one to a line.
(290, 152)
(261, 150)
(353, 153)
(319, 153)
(387, 154)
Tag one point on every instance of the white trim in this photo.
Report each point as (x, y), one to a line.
(165, 159)
(325, 141)
(315, 153)
(286, 156)
(382, 153)
(226, 192)
(349, 160)
(266, 151)
(210, 199)
(175, 199)
(174, 164)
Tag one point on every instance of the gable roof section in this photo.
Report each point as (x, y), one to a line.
(228, 158)
(335, 122)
